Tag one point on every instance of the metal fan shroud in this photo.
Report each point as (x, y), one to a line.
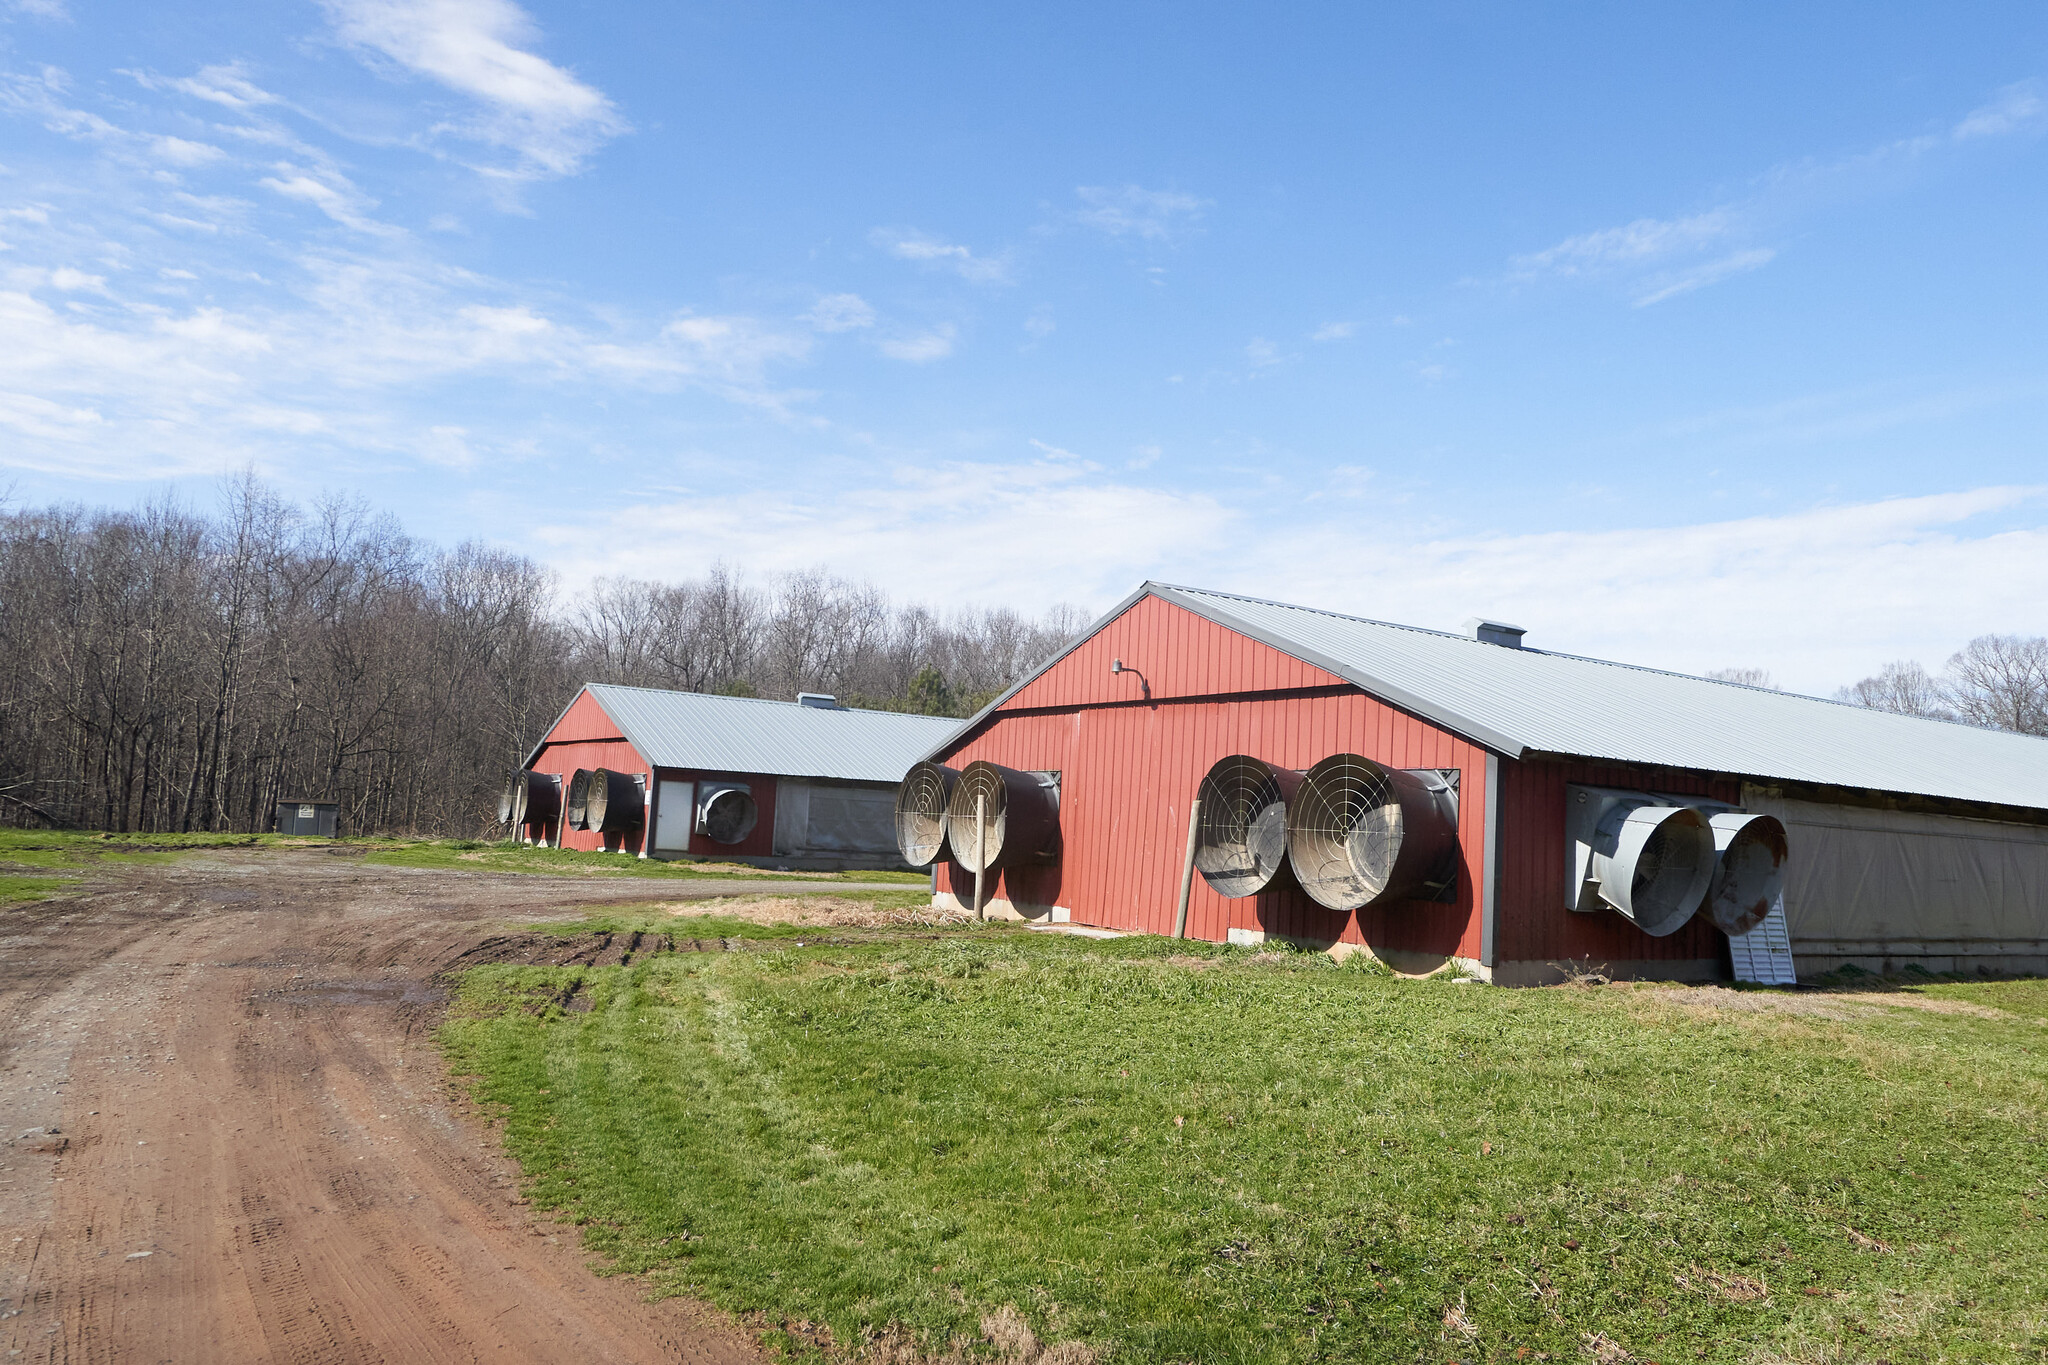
(613, 803)
(576, 812)
(1241, 835)
(1020, 813)
(1359, 832)
(921, 799)
(535, 797)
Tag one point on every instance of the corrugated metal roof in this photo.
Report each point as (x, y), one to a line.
(1514, 700)
(752, 735)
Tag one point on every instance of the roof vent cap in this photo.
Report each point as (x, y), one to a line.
(1495, 632)
(824, 701)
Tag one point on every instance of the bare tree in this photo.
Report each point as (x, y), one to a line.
(1902, 687)
(2001, 682)
(1748, 677)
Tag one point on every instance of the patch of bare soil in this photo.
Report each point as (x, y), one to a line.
(821, 911)
(227, 1135)
(1823, 1004)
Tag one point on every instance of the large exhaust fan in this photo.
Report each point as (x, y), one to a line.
(1643, 855)
(577, 807)
(536, 797)
(614, 802)
(1749, 870)
(726, 813)
(1019, 817)
(1241, 838)
(921, 800)
(1359, 832)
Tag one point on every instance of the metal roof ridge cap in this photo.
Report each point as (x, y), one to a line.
(1484, 735)
(1325, 611)
(1146, 589)
(768, 701)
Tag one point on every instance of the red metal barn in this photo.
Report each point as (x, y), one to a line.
(804, 784)
(1519, 731)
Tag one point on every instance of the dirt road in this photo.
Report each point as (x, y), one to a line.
(225, 1134)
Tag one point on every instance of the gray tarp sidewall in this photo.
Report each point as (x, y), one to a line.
(1860, 875)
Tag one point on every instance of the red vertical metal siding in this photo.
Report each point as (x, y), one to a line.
(585, 737)
(1162, 642)
(760, 841)
(1533, 924)
(1130, 768)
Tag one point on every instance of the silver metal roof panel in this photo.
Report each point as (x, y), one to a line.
(752, 735)
(1514, 700)
(1563, 703)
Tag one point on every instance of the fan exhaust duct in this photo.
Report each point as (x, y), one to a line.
(1359, 832)
(536, 799)
(613, 802)
(1645, 857)
(1749, 870)
(726, 811)
(1241, 840)
(576, 805)
(1019, 817)
(921, 799)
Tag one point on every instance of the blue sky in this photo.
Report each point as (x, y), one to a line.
(1695, 339)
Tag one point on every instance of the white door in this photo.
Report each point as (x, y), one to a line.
(674, 812)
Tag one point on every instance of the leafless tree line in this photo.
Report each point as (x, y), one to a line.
(1999, 682)
(167, 670)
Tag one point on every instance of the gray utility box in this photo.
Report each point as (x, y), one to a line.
(308, 817)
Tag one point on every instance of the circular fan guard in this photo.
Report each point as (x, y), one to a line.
(1359, 832)
(1241, 834)
(984, 780)
(921, 800)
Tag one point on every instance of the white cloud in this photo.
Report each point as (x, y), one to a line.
(1663, 287)
(1133, 211)
(227, 85)
(1333, 331)
(541, 113)
(71, 281)
(2018, 109)
(1263, 354)
(935, 344)
(1039, 324)
(840, 313)
(1643, 242)
(180, 152)
(1819, 597)
(1656, 259)
(42, 9)
(330, 192)
(918, 246)
(1144, 457)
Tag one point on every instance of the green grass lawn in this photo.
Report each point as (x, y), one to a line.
(1178, 1152)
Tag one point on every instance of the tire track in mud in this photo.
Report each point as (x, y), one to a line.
(257, 1154)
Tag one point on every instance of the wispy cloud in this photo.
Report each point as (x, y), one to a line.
(935, 251)
(840, 313)
(1133, 211)
(1655, 259)
(1333, 331)
(42, 9)
(543, 115)
(921, 347)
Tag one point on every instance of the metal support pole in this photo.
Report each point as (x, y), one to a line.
(980, 851)
(1187, 870)
(646, 813)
